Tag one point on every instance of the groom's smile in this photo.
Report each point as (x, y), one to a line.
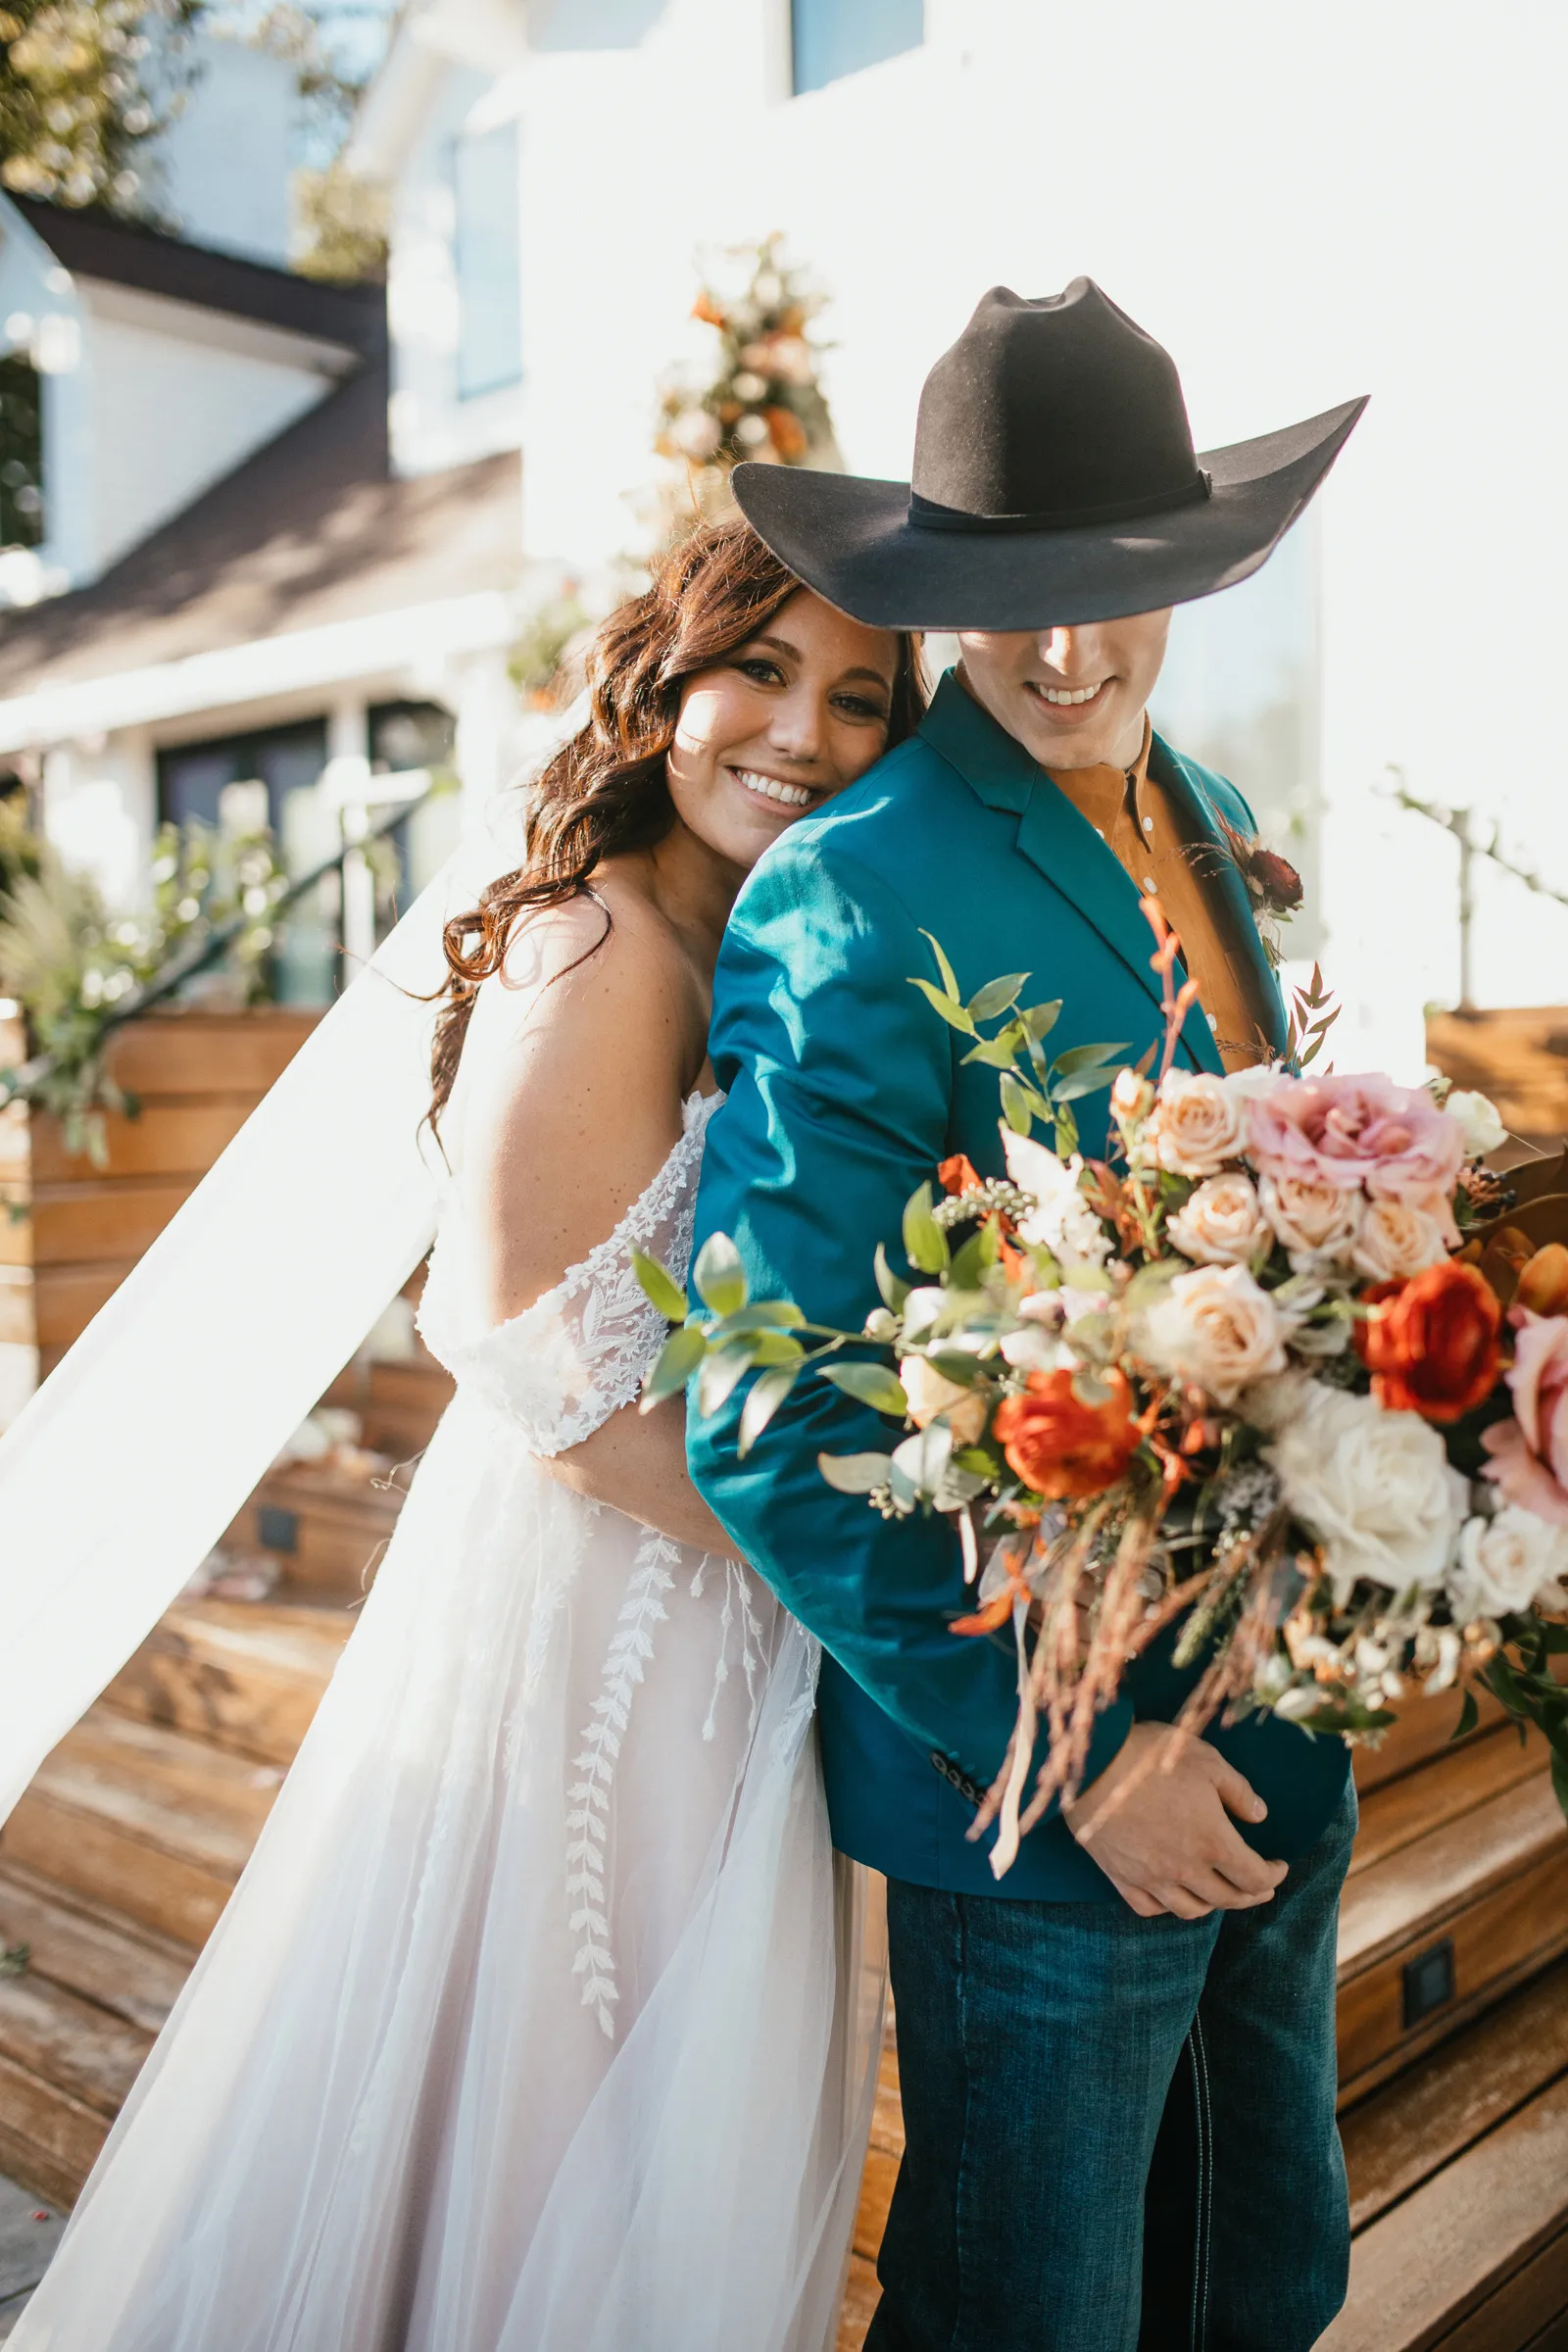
(1073, 696)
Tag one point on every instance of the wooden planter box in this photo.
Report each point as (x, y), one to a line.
(1518, 1055)
(71, 1232)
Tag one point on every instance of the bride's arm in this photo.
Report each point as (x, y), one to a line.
(569, 1102)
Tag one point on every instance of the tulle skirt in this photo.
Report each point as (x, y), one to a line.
(540, 2021)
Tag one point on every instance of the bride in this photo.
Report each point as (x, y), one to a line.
(529, 2026)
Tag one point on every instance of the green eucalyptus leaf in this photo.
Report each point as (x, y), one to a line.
(766, 1394)
(980, 1251)
(855, 1473)
(774, 1347)
(894, 1291)
(660, 1285)
(764, 1314)
(1081, 1082)
(958, 1365)
(951, 1011)
(870, 1384)
(720, 1276)
(1066, 1131)
(1469, 1717)
(1084, 1057)
(722, 1368)
(999, 1053)
(925, 1245)
(950, 978)
(1040, 1019)
(995, 996)
(1015, 1104)
(678, 1360)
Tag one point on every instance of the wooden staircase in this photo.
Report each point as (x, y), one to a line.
(1453, 2055)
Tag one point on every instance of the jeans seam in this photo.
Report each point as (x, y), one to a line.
(1206, 2185)
(957, 2338)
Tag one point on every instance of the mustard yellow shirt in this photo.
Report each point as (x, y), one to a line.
(1146, 827)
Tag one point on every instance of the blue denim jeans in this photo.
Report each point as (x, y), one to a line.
(1119, 2132)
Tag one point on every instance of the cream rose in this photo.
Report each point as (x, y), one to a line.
(1221, 1224)
(1315, 1223)
(1216, 1328)
(1479, 1122)
(1507, 1563)
(1198, 1123)
(1374, 1488)
(931, 1393)
(1396, 1240)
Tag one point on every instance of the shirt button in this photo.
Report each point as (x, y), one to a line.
(1213, 1020)
(1149, 882)
(1149, 824)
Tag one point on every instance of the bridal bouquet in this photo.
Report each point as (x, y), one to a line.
(1288, 1368)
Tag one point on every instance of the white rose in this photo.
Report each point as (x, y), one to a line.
(1217, 1328)
(1198, 1123)
(1375, 1489)
(931, 1393)
(1061, 1220)
(1396, 1239)
(1478, 1117)
(1508, 1562)
(1033, 1349)
(1315, 1223)
(1221, 1224)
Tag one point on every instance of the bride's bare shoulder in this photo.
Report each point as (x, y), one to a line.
(570, 1086)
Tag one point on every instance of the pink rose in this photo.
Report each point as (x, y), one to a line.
(1352, 1131)
(1529, 1453)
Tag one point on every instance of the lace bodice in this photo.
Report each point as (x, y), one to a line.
(562, 1367)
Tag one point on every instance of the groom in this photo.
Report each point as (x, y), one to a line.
(1116, 2062)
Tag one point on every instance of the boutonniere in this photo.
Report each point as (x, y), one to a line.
(1273, 886)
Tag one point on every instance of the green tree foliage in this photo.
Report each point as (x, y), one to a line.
(84, 91)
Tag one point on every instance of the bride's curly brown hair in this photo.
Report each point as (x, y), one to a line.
(606, 789)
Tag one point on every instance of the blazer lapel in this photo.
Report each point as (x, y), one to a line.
(1056, 839)
(1178, 776)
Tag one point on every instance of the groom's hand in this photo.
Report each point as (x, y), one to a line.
(1157, 1822)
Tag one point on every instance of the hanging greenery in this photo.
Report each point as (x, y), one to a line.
(71, 964)
(84, 91)
(756, 393)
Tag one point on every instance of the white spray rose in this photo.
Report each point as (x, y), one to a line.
(1396, 1240)
(1478, 1117)
(1375, 1489)
(1508, 1562)
(1061, 1220)
(1221, 1224)
(1217, 1328)
(930, 1392)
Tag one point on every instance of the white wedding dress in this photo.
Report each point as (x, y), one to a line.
(538, 2021)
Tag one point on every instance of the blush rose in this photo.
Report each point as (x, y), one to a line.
(1365, 1131)
(1529, 1453)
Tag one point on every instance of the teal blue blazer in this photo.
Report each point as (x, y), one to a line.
(844, 1090)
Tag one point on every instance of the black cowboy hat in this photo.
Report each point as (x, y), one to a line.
(1055, 481)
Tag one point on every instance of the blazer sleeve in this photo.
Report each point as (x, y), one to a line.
(839, 1082)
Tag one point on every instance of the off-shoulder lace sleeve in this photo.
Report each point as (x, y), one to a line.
(562, 1367)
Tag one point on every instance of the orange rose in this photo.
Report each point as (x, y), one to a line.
(1061, 1447)
(959, 1174)
(1431, 1344)
(787, 432)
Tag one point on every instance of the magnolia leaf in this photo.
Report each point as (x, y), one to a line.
(678, 1360)
(925, 1245)
(855, 1473)
(894, 1291)
(950, 978)
(995, 996)
(720, 1276)
(1040, 1019)
(767, 1393)
(951, 1011)
(1085, 1057)
(722, 1368)
(1015, 1104)
(870, 1383)
(660, 1286)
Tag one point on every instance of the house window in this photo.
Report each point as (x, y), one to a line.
(20, 453)
(488, 260)
(830, 38)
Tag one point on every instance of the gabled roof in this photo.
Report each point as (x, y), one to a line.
(308, 532)
(94, 244)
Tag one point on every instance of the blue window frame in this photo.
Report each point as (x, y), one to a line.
(488, 262)
(830, 38)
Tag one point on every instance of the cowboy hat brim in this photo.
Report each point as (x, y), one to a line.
(853, 540)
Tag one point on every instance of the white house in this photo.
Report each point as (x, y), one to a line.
(1300, 204)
